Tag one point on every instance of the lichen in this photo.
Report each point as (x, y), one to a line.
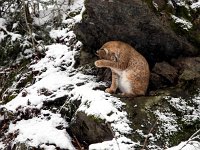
(96, 119)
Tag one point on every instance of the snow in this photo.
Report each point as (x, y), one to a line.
(2, 36)
(107, 107)
(181, 2)
(115, 144)
(37, 131)
(14, 36)
(55, 80)
(57, 74)
(2, 23)
(62, 8)
(2, 145)
(191, 145)
(52, 79)
(58, 34)
(196, 5)
(169, 123)
(185, 24)
(2, 26)
(191, 114)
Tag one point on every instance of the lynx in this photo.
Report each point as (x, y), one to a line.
(130, 70)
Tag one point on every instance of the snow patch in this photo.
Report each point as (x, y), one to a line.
(58, 76)
(185, 24)
(2, 23)
(196, 5)
(191, 145)
(168, 120)
(115, 144)
(2, 146)
(37, 131)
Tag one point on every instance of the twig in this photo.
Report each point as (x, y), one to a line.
(150, 131)
(190, 139)
(198, 131)
(27, 24)
(113, 134)
(63, 105)
(77, 142)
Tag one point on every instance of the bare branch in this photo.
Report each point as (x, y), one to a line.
(27, 24)
(146, 139)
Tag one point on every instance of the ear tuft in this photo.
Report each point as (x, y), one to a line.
(117, 55)
(106, 50)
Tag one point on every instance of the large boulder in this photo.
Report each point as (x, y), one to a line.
(133, 22)
(90, 129)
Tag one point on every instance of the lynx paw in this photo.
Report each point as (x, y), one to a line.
(98, 63)
(109, 90)
(127, 95)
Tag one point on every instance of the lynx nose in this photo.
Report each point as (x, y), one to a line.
(97, 53)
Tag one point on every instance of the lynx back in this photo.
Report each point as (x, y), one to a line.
(130, 70)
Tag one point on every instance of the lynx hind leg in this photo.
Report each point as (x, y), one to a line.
(139, 84)
(114, 84)
(139, 88)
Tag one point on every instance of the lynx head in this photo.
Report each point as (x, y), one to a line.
(106, 54)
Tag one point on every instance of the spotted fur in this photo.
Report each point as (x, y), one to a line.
(130, 70)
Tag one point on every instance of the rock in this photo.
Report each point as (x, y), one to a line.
(189, 75)
(188, 67)
(163, 74)
(156, 81)
(132, 22)
(21, 146)
(159, 4)
(191, 63)
(90, 129)
(150, 115)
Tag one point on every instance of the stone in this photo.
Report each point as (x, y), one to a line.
(90, 129)
(188, 75)
(163, 74)
(156, 81)
(192, 63)
(159, 4)
(132, 22)
(188, 67)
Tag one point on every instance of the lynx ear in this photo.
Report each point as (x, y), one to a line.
(117, 55)
(102, 53)
(106, 50)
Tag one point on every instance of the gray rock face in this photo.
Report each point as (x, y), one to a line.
(132, 22)
(90, 129)
(163, 74)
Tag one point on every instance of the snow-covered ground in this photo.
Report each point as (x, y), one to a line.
(185, 24)
(42, 131)
(56, 75)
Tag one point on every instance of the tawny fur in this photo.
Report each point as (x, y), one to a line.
(130, 70)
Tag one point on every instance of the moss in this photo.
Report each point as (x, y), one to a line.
(8, 98)
(182, 11)
(11, 77)
(184, 134)
(96, 119)
(194, 37)
(153, 100)
(9, 51)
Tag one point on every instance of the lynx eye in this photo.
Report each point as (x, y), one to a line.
(113, 58)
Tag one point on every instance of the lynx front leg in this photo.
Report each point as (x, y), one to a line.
(101, 63)
(110, 64)
(114, 84)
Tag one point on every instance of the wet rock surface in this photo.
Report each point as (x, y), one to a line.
(177, 100)
(132, 22)
(90, 129)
